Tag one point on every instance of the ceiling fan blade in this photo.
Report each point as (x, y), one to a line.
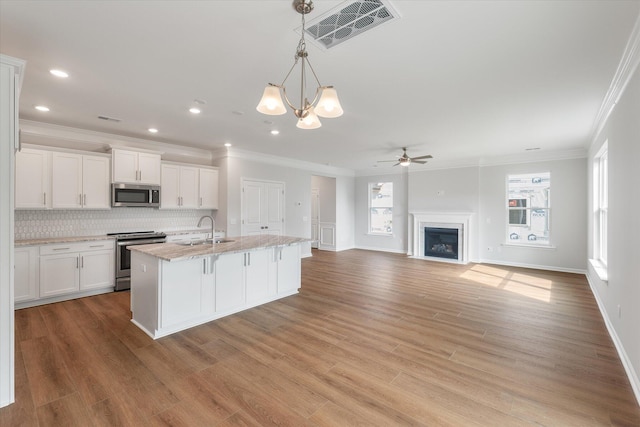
(397, 164)
(428, 156)
(420, 162)
(384, 161)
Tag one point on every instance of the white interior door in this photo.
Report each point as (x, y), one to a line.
(262, 207)
(315, 217)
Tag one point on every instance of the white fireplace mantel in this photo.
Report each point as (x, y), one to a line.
(419, 220)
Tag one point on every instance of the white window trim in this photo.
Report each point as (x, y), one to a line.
(598, 263)
(525, 243)
(373, 233)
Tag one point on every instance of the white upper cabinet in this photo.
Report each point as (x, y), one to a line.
(33, 179)
(79, 181)
(188, 187)
(135, 167)
(208, 189)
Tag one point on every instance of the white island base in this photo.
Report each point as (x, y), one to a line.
(171, 296)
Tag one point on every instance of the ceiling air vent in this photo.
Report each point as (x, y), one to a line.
(345, 22)
(110, 119)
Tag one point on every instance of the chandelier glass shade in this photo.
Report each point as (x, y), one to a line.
(325, 102)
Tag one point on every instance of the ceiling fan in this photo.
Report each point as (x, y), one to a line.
(405, 160)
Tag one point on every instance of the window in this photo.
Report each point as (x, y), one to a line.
(528, 205)
(601, 203)
(381, 208)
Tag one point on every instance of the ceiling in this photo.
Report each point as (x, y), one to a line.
(465, 81)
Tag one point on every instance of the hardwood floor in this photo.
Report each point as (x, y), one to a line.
(373, 339)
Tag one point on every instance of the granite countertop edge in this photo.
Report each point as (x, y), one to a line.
(176, 252)
(75, 239)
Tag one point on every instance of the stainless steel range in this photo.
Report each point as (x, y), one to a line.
(123, 255)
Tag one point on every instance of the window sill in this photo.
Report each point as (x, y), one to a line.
(600, 269)
(380, 234)
(525, 245)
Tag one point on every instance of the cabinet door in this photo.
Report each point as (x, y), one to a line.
(189, 187)
(59, 274)
(124, 166)
(170, 185)
(33, 182)
(229, 273)
(95, 182)
(182, 295)
(149, 168)
(208, 189)
(26, 273)
(257, 275)
(288, 268)
(96, 269)
(66, 180)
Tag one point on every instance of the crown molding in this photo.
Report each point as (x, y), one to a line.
(47, 134)
(314, 168)
(626, 68)
(529, 157)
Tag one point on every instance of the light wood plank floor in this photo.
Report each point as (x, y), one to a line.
(373, 339)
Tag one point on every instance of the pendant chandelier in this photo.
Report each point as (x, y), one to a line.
(325, 101)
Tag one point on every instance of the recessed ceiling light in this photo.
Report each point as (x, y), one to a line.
(153, 130)
(275, 132)
(59, 73)
(195, 110)
(42, 108)
(227, 144)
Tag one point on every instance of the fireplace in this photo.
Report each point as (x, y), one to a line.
(440, 236)
(441, 242)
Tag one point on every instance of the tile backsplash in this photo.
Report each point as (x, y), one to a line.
(41, 224)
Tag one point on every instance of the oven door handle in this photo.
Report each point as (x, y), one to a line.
(140, 242)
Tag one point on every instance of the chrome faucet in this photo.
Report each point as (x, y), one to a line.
(213, 225)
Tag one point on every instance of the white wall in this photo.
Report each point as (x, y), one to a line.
(297, 190)
(622, 290)
(345, 212)
(568, 216)
(397, 242)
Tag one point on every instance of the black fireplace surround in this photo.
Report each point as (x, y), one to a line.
(441, 242)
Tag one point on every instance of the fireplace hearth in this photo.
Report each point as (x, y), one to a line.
(441, 242)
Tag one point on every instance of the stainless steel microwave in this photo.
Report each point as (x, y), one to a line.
(134, 195)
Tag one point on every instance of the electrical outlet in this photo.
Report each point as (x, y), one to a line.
(489, 248)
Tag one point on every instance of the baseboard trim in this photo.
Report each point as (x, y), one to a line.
(533, 266)
(370, 248)
(626, 363)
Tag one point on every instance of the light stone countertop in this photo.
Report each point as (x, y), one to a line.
(75, 239)
(69, 239)
(176, 252)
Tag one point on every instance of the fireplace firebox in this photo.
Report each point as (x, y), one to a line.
(441, 242)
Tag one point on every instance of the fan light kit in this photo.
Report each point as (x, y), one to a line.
(325, 102)
(405, 160)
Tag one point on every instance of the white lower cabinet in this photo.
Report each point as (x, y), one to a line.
(288, 261)
(230, 290)
(170, 296)
(76, 267)
(26, 278)
(187, 291)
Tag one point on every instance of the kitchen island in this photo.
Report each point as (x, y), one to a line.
(178, 286)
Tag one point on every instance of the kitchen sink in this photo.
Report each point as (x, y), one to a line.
(204, 242)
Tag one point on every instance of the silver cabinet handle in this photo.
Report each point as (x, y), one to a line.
(61, 249)
(200, 201)
(81, 261)
(80, 199)
(78, 262)
(204, 266)
(249, 256)
(140, 175)
(84, 200)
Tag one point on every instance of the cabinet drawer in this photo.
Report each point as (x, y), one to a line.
(62, 248)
